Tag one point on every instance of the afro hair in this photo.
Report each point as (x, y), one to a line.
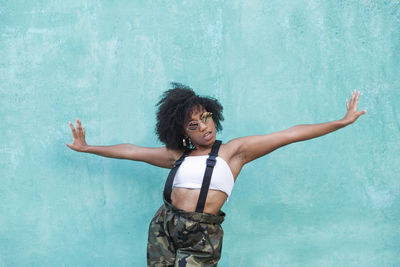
(175, 109)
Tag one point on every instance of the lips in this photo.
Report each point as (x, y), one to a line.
(208, 136)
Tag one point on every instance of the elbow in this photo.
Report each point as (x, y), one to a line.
(290, 136)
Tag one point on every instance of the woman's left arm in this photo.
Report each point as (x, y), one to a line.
(252, 147)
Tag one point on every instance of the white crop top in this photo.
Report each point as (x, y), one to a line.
(191, 172)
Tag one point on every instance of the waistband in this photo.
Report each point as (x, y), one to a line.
(196, 216)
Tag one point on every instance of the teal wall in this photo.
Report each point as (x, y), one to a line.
(331, 201)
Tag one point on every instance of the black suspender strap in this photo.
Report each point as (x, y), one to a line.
(171, 176)
(211, 160)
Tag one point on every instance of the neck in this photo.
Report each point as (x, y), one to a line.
(201, 149)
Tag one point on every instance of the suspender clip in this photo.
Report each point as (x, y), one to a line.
(211, 162)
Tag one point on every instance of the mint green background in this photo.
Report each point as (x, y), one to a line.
(331, 201)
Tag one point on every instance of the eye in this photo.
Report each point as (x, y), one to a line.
(193, 125)
(206, 116)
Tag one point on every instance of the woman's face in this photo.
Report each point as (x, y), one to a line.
(204, 135)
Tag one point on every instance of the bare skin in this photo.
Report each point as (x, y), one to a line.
(236, 152)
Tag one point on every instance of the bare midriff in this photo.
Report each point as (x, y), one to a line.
(186, 199)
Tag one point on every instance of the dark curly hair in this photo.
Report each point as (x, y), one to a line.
(175, 110)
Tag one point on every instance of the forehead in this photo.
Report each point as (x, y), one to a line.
(196, 112)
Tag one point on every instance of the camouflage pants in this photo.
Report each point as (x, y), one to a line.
(180, 238)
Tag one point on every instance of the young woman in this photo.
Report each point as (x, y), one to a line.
(186, 230)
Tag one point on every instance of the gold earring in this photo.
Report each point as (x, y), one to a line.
(184, 142)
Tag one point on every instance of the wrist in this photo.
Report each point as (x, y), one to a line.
(85, 149)
(344, 122)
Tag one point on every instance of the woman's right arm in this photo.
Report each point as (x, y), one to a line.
(158, 156)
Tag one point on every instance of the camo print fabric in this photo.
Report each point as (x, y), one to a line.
(179, 238)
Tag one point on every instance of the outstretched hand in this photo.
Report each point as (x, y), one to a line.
(352, 115)
(78, 136)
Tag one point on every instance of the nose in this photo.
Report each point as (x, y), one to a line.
(202, 126)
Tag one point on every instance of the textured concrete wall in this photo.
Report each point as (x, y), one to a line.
(331, 201)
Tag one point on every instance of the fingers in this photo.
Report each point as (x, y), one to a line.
(352, 115)
(353, 96)
(80, 130)
(78, 125)
(356, 100)
(353, 99)
(350, 103)
(356, 96)
(362, 112)
(74, 135)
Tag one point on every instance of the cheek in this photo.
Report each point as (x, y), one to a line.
(213, 126)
